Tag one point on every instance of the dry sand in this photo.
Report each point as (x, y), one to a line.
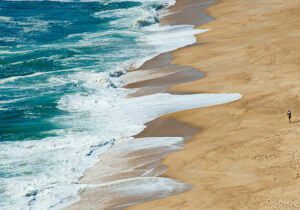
(129, 172)
(246, 155)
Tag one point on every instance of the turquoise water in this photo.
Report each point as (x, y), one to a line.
(61, 101)
(39, 37)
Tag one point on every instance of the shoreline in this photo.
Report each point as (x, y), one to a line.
(157, 75)
(245, 154)
(159, 81)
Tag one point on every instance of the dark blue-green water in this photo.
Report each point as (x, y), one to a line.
(39, 37)
(61, 101)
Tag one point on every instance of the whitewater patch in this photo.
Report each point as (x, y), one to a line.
(11, 101)
(175, 36)
(95, 120)
(3, 52)
(99, 116)
(5, 19)
(12, 79)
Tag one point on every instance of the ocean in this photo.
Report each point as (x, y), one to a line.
(61, 98)
(59, 61)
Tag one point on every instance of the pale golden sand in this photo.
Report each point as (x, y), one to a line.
(128, 173)
(246, 154)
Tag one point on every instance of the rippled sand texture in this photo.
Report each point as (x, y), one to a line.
(246, 154)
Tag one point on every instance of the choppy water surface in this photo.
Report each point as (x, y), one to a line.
(60, 98)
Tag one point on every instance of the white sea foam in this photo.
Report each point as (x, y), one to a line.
(3, 52)
(11, 101)
(102, 118)
(131, 188)
(168, 38)
(5, 19)
(11, 79)
(9, 39)
(61, 160)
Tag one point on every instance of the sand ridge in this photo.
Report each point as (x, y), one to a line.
(246, 155)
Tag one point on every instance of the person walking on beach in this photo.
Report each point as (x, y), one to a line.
(289, 114)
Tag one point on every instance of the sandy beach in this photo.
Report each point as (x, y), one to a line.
(245, 154)
(240, 155)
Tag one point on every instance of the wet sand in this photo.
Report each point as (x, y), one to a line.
(127, 175)
(157, 75)
(242, 155)
(246, 155)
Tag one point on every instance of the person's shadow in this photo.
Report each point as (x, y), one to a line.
(296, 121)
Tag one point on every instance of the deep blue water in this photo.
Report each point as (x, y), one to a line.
(61, 98)
(55, 58)
(54, 36)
